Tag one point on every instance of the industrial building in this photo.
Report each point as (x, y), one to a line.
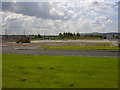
(113, 36)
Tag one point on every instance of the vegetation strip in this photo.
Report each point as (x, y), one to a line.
(81, 47)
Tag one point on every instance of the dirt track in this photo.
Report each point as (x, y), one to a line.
(32, 49)
(92, 53)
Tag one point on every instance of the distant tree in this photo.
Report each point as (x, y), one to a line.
(39, 36)
(74, 34)
(60, 35)
(35, 36)
(68, 35)
(64, 34)
(78, 34)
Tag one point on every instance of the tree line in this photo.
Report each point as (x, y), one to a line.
(68, 34)
(77, 35)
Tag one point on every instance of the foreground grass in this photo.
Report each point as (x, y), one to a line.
(22, 71)
(81, 47)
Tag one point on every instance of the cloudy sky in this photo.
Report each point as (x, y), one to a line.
(51, 18)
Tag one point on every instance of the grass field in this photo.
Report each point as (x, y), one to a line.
(22, 71)
(81, 47)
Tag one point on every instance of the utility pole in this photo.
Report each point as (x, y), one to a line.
(24, 32)
(6, 33)
(44, 34)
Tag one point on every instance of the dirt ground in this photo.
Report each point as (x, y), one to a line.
(9, 47)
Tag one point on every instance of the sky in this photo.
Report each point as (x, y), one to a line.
(54, 17)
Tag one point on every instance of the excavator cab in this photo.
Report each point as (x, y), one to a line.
(24, 39)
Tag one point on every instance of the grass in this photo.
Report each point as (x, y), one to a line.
(80, 47)
(0, 70)
(23, 71)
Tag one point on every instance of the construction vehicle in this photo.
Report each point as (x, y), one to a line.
(23, 40)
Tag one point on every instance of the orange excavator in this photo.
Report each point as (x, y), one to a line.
(23, 40)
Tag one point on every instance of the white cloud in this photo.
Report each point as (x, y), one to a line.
(93, 13)
(80, 17)
(102, 18)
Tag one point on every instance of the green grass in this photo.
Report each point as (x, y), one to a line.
(0, 70)
(81, 47)
(22, 71)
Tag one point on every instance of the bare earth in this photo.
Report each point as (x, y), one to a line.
(32, 48)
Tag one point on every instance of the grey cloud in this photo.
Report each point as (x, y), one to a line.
(8, 6)
(39, 10)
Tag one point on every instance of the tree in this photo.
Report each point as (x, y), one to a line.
(39, 36)
(78, 34)
(74, 34)
(35, 36)
(60, 34)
